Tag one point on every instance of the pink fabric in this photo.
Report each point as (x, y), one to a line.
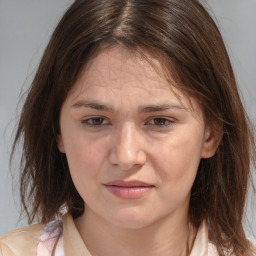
(51, 234)
(54, 232)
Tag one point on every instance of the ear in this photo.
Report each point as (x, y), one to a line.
(60, 144)
(212, 139)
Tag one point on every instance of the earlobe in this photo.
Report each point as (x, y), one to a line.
(211, 143)
(60, 144)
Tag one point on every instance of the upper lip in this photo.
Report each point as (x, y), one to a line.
(131, 183)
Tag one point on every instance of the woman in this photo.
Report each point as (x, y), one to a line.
(134, 131)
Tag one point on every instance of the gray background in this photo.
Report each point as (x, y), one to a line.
(25, 27)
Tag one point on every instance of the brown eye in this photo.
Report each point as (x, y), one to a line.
(160, 122)
(95, 121)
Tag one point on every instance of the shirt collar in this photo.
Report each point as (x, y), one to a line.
(74, 245)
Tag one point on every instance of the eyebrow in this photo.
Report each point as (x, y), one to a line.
(93, 105)
(142, 109)
(161, 107)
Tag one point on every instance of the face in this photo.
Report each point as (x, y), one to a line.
(132, 146)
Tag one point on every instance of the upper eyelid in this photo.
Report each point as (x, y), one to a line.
(84, 119)
(93, 117)
(87, 119)
(167, 122)
(161, 117)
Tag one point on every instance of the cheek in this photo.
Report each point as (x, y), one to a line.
(82, 151)
(83, 169)
(86, 159)
(83, 160)
(178, 160)
(177, 169)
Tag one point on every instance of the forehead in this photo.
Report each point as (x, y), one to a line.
(120, 73)
(121, 65)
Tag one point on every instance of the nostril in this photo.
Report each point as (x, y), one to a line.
(128, 161)
(127, 150)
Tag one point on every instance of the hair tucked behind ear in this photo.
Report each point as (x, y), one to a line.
(192, 51)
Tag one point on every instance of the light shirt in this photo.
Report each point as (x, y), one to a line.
(40, 240)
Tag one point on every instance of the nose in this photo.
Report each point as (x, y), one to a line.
(127, 148)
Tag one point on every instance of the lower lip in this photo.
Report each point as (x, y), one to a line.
(129, 192)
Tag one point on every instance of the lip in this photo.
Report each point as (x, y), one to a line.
(128, 189)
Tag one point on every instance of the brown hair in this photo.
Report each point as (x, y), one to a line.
(186, 37)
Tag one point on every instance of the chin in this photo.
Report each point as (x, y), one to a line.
(132, 219)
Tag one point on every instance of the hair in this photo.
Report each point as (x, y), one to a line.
(184, 36)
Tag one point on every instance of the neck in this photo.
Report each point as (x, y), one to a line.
(170, 236)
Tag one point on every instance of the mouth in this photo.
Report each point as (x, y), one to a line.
(128, 189)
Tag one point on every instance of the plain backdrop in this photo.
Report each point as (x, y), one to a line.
(25, 27)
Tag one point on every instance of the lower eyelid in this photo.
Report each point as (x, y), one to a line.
(167, 120)
(89, 121)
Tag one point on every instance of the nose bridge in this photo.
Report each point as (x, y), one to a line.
(128, 140)
(127, 147)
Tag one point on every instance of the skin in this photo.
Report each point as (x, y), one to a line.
(121, 121)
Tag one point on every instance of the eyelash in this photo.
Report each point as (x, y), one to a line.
(164, 122)
(91, 121)
(98, 121)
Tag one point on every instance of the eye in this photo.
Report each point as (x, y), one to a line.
(160, 122)
(95, 121)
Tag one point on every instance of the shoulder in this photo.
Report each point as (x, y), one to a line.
(212, 250)
(21, 240)
(37, 239)
(253, 248)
